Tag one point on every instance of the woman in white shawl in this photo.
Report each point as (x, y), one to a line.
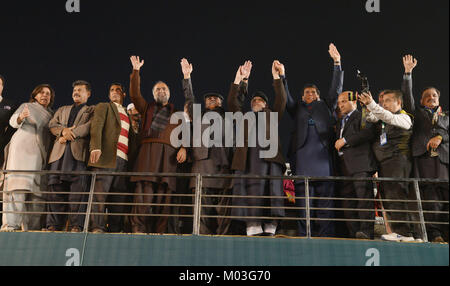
(27, 151)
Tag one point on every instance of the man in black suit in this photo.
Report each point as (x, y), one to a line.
(355, 159)
(311, 146)
(429, 149)
(7, 108)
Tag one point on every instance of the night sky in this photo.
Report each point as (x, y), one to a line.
(40, 42)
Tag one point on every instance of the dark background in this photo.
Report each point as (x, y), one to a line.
(41, 43)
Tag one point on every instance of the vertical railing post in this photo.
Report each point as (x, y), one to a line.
(197, 205)
(89, 206)
(308, 211)
(421, 216)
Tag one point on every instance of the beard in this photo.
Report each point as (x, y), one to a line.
(162, 98)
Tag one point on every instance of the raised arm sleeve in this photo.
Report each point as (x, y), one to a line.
(135, 92)
(400, 120)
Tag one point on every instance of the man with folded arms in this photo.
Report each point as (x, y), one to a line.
(70, 125)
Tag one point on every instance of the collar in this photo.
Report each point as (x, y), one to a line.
(349, 114)
(118, 105)
(432, 110)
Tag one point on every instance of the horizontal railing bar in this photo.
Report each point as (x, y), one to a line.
(98, 214)
(95, 193)
(233, 196)
(212, 216)
(223, 176)
(223, 206)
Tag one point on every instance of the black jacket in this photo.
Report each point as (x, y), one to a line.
(424, 129)
(7, 109)
(358, 155)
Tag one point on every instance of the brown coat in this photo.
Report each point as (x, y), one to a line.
(82, 125)
(235, 102)
(105, 131)
(146, 110)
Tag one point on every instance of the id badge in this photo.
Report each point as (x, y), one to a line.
(383, 139)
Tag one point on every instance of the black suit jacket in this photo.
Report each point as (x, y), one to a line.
(423, 129)
(358, 155)
(7, 109)
(320, 111)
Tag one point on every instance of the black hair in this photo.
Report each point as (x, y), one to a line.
(82, 82)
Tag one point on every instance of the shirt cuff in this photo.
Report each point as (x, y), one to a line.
(372, 105)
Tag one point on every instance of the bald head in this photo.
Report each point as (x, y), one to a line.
(345, 104)
(161, 92)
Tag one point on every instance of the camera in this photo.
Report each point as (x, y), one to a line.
(352, 96)
(364, 82)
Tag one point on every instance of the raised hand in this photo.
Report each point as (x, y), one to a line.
(186, 68)
(365, 98)
(280, 68)
(276, 69)
(136, 62)
(246, 69)
(409, 62)
(334, 54)
(243, 72)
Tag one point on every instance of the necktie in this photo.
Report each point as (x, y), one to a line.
(344, 120)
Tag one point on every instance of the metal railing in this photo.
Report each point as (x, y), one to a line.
(198, 195)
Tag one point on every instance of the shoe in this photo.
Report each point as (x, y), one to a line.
(268, 234)
(418, 240)
(362, 235)
(406, 238)
(75, 229)
(98, 230)
(9, 229)
(255, 234)
(396, 237)
(51, 229)
(438, 239)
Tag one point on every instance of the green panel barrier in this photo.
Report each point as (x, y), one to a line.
(40, 249)
(147, 250)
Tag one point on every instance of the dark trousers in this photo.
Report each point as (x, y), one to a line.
(144, 195)
(180, 224)
(105, 198)
(398, 166)
(319, 228)
(219, 226)
(77, 203)
(432, 168)
(357, 190)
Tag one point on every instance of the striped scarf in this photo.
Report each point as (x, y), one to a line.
(161, 117)
(122, 144)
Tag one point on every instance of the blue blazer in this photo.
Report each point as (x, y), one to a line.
(322, 112)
